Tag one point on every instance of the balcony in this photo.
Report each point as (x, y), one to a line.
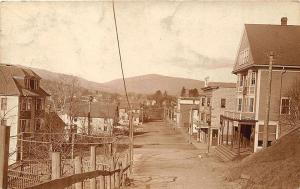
(239, 115)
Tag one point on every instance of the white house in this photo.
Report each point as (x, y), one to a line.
(102, 116)
(22, 103)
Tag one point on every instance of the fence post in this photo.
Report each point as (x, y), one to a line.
(93, 166)
(102, 180)
(4, 151)
(55, 157)
(78, 170)
(113, 169)
(120, 175)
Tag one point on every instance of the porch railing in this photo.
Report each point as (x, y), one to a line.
(239, 115)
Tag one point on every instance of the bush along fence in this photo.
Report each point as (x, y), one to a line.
(96, 176)
(103, 164)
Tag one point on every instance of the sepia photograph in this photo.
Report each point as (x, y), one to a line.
(150, 94)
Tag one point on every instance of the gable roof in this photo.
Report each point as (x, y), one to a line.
(261, 39)
(284, 40)
(12, 81)
(98, 110)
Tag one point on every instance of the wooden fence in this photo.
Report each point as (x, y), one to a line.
(93, 176)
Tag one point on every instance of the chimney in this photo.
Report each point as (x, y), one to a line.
(284, 21)
(206, 79)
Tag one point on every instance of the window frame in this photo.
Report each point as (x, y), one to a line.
(3, 122)
(253, 78)
(240, 106)
(3, 103)
(223, 105)
(281, 106)
(249, 105)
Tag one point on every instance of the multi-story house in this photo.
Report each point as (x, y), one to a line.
(186, 108)
(102, 117)
(22, 102)
(214, 101)
(124, 113)
(246, 123)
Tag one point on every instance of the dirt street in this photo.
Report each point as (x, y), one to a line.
(165, 159)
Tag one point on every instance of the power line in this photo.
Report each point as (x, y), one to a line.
(124, 83)
(120, 56)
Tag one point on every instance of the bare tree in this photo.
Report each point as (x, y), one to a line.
(291, 120)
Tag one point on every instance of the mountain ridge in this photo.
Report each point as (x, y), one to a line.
(142, 84)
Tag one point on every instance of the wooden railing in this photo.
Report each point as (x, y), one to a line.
(239, 115)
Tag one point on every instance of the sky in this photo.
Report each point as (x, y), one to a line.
(190, 39)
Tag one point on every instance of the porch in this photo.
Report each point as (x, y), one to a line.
(237, 133)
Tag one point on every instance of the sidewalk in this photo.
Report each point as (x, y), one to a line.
(200, 146)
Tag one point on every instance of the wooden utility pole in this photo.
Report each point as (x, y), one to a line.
(131, 140)
(56, 166)
(267, 114)
(4, 152)
(93, 166)
(89, 115)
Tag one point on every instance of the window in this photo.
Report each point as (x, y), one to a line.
(208, 121)
(208, 102)
(253, 78)
(31, 84)
(203, 101)
(244, 56)
(271, 134)
(3, 122)
(38, 124)
(202, 116)
(285, 105)
(3, 103)
(23, 104)
(241, 80)
(26, 103)
(24, 125)
(39, 104)
(251, 104)
(223, 103)
(240, 102)
(27, 83)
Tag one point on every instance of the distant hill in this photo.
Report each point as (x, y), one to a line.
(145, 84)
(148, 84)
(56, 77)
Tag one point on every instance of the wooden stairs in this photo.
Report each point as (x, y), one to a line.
(225, 153)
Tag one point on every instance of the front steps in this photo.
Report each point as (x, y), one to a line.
(225, 153)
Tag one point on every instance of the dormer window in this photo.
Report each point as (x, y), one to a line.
(31, 84)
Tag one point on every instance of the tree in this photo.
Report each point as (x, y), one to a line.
(193, 92)
(183, 92)
(158, 97)
(290, 119)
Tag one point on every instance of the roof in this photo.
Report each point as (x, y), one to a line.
(283, 40)
(12, 81)
(216, 85)
(124, 104)
(98, 109)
